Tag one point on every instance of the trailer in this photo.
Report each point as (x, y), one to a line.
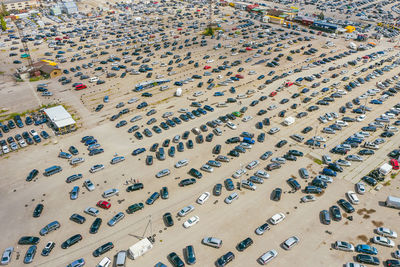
(393, 202)
(140, 248)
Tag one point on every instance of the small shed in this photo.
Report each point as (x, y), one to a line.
(52, 71)
(60, 119)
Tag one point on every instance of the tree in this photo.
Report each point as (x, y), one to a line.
(3, 23)
(4, 11)
(321, 16)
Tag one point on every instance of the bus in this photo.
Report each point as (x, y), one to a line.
(52, 170)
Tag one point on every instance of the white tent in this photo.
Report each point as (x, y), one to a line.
(59, 117)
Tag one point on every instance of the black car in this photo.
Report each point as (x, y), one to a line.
(225, 259)
(392, 263)
(32, 175)
(190, 255)
(346, 205)
(281, 143)
(77, 218)
(244, 244)
(71, 241)
(28, 240)
(368, 259)
(94, 228)
(217, 190)
(103, 249)
(217, 149)
(168, 219)
(73, 150)
(48, 248)
(134, 187)
(294, 184)
(186, 182)
(369, 180)
(307, 129)
(195, 173)
(336, 214)
(277, 194)
(38, 210)
(149, 160)
(175, 260)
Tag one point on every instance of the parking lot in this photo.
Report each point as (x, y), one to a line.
(158, 79)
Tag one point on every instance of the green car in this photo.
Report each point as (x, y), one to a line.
(135, 207)
(237, 114)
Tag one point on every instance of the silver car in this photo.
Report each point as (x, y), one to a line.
(6, 258)
(360, 187)
(185, 211)
(354, 158)
(117, 217)
(74, 193)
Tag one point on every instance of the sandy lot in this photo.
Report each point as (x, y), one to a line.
(232, 223)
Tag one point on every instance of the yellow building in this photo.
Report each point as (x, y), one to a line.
(19, 4)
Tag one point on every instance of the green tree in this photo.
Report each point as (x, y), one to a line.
(321, 16)
(4, 11)
(3, 23)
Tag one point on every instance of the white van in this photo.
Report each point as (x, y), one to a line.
(120, 259)
(110, 192)
(93, 79)
(105, 262)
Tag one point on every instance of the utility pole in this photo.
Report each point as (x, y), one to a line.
(25, 46)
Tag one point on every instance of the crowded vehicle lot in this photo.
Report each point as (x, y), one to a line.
(259, 132)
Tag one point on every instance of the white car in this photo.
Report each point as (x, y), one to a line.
(261, 174)
(185, 211)
(231, 125)
(386, 232)
(274, 130)
(199, 93)
(238, 173)
(182, 163)
(229, 199)
(344, 246)
(396, 254)
(22, 143)
(277, 218)
(360, 118)
(247, 118)
(207, 168)
(75, 161)
(308, 198)
(191, 221)
(6, 258)
(163, 173)
(92, 211)
(360, 188)
(353, 197)
(203, 198)
(318, 138)
(96, 168)
(89, 185)
(133, 100)
(384, 241)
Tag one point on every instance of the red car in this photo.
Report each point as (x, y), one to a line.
(273, 93)
(288, 84)
(58, 39)
(207, 67)
(239, 76)
(104, 204)
(80, 87)
(395, 164)
(249, 48)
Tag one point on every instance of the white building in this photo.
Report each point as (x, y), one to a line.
(60, 120)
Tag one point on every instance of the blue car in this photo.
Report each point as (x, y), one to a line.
(376, 101)
(218, 94)
(138, 151)
(329, 172)
(363, 248)
(152, 198)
